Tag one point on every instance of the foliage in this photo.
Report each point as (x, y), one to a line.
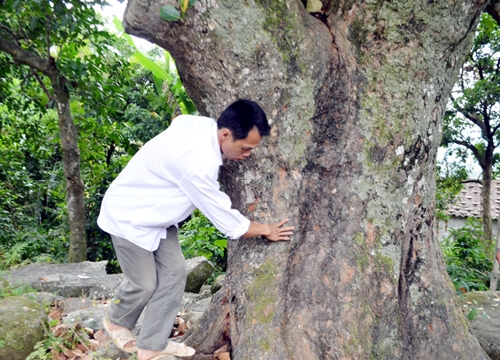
(468, 258)
(121, 98)
(170, 13)
(198, 237)
(472, 122)
(449, 181)
(63, 339)
(116, 108)
(7, 289)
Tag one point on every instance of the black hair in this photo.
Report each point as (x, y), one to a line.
(241, 116)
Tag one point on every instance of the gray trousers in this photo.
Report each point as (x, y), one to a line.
(153, 280)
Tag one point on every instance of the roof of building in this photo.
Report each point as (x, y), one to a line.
(468, 202)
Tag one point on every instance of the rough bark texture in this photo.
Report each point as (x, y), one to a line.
(71, 165)
(356, 106)
(486, 201)
(69, 142)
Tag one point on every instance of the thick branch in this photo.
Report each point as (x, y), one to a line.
(471, 148)
(25, 57)
(474, 118)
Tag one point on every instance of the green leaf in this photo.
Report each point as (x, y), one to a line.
(314, 6)
(222, 243)
(191, 2)
(472, 314)
(158, 85)
(184, 5)
(119, 27)
(169, 13)
(149, 64)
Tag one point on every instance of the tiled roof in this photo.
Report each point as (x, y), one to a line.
(468, 202)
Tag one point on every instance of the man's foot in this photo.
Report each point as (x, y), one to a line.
(173, 348)
(121, 336)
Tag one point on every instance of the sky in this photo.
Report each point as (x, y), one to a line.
(117, 8)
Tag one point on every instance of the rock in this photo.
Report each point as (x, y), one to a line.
(206, 289)
(217, 285)
(195, 305)
(68, 280)
(22, 323)
(43, 298)
(88, 279)
(90, 317)
(199, 269)
(486, 326)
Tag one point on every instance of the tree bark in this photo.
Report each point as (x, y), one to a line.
(356, 106)
(69, 142)
(486, 202)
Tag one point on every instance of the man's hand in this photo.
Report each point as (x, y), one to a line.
(273, 232)
(277, 232)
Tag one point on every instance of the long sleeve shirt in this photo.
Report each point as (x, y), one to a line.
(170, 176)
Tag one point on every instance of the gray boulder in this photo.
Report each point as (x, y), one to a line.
(22, 324)
(217, 285)
(89, 279)
(199, 269)
(67, 280)
(486, 326)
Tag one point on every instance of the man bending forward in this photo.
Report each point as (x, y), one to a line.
(173, 174)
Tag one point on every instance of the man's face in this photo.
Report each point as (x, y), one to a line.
(239, 149)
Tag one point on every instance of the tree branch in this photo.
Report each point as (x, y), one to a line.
(472, 148)
(25, 57)
(474, 118)
(45, 90)
(471, 181)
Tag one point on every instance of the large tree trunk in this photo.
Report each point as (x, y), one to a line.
(356, 106)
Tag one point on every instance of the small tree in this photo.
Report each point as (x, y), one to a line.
(473, 122)
(43, 38)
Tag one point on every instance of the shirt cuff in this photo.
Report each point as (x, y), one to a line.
(245, 225)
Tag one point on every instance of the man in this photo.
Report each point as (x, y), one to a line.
(173, 174)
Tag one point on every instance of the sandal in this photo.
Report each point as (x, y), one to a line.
(120, 337)
(176, 349)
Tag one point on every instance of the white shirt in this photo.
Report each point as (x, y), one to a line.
(163, 183)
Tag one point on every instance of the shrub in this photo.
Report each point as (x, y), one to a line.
(198, 237)
(468, 257)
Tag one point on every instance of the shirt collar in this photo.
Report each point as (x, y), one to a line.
(215, 143)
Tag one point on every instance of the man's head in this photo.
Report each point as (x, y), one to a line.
(241, 127)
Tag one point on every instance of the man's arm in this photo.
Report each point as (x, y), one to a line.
(273, 232)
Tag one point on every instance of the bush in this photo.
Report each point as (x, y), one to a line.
(468, 257)
(198, 237)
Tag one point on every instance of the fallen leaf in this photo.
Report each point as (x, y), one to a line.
(82, 348)
(224, 356)
(101, 337)
(314, 6)
(55, 314)
(59, 329)
(221, 350)
(182, 325)
(94, 344)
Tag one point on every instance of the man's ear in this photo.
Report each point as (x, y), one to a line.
(226, 134)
